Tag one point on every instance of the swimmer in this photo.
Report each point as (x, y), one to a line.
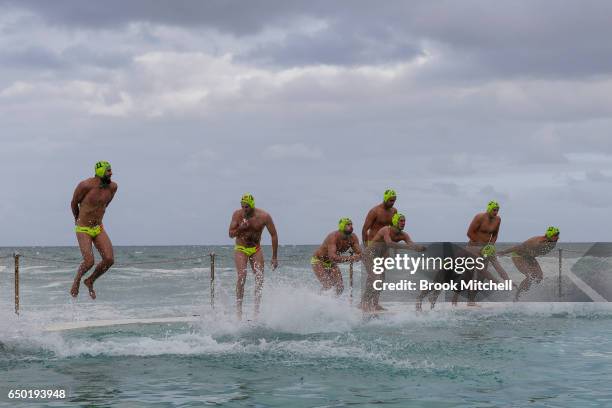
(387, 237)
(379, 216)
(326, 258)
(524, 257)
(246, 227)
(89, 202)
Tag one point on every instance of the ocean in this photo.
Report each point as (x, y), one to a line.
(306, 349)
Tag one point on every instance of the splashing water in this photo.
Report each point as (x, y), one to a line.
(306, 348)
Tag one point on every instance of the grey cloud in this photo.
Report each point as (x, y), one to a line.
(65, 62)
(32, 57)
(532, 39)
(598, 176)
(181, 173)
(339, 44)
(89, 56)
(480, 38)
(234, 16)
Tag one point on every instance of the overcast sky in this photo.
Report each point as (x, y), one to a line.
(313, 107)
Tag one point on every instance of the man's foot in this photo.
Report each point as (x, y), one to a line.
(74, 290)
(473, 304)
(88, 282)
(379, 308)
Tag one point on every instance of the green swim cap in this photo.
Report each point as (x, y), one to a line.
(100, 168)
(248, 199)
(492, 205)
(488, 250)
(551, 232)
(388, 195)
(396, 218)
(343, 222)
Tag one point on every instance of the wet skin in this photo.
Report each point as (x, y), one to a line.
(335, 244)
(246, 227)
(89, 202)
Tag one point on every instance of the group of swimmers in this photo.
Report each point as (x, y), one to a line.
(382, 231)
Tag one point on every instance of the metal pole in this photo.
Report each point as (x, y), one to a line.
(351, 282)
(16, 256)
(560, 267)
(212, 280)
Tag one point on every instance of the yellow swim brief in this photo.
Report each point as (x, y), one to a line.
(91, 231)
(248, 251)
(327, 264)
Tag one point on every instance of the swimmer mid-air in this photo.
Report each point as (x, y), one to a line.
(89, 202)
(524, 257)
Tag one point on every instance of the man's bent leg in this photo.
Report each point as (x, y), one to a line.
(322, 274)
(366, 294)
(370, 296)
(240, 259)
(104, 246)
(84, 241)
(376, 297)
(500, 270)
(336, 279)
(257, 264)
(532, 271)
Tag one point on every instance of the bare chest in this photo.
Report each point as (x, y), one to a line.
(256, 225)
(489, 226)
(97, 197)
(384, 217)
(343, 245)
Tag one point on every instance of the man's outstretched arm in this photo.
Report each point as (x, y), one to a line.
(356, 249)
(408, 245)
(412, 245)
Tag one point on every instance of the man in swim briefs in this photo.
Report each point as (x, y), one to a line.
(387, 237)
(246, 226)
(524, 257)
(89, 202)
(482, 234)
(378, 217)
(326, 258)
